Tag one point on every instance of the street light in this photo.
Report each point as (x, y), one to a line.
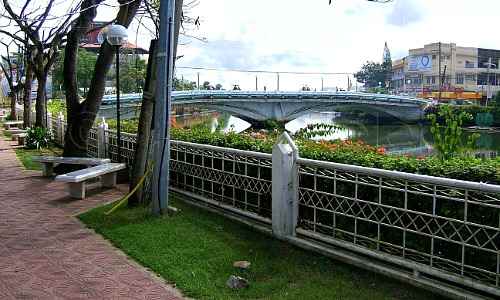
(116, 35)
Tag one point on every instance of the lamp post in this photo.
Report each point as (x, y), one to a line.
(116, 36)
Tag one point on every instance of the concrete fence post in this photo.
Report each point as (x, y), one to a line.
(284, 187)
(101, 139)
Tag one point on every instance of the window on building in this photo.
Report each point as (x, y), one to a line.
(428, 79)
(433, 79)
(470, 78)
(484, 56)
(469, 64)
(482, 79)
(460, 79)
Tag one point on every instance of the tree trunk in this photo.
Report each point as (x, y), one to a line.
(13, 101)
(144, 126)
(27, 97)
(81, 116)
(76, 132)
(147, 108)
(41, 101)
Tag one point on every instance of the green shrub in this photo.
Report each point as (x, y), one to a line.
(10, 118)
(358, 153)
(446, 129)
(56, 106)
(354, 153)
(129, 125)
(38, 138)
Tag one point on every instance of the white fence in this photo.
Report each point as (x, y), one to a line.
(439, 233)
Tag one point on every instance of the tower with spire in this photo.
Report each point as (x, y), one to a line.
(387, 55)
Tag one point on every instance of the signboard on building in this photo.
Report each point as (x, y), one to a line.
(420, 63)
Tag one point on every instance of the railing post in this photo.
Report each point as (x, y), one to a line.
(101, 139)
(284, 187)
(60, 128)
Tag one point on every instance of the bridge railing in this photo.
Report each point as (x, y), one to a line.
(439, 233)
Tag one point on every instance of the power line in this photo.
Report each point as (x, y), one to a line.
(263, 71)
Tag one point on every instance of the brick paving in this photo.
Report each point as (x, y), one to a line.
(46, 253)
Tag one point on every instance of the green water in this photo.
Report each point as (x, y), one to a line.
(412, 139)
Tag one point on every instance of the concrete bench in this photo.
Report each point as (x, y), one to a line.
(15, 131)
(9, 124)
(16, 136)
(48, 162)
(21, 139)
(77, 180)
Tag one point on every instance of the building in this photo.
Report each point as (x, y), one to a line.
(91, 42)
(464, 72)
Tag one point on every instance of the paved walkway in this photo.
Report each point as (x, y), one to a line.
(46, 253)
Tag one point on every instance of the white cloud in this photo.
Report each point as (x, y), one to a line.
(312, 36)
(405, 12)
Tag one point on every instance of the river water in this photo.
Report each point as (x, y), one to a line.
(411, 139)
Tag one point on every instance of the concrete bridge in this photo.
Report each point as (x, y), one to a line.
(286, 106)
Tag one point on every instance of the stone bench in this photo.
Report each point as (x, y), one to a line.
(77, 180)
(9, 124)
(16, 136)
(21, 139)
(15, 131)
(48, 162)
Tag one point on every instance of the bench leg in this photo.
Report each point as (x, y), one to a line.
(77, 189)
(47, 169)
(108, 180)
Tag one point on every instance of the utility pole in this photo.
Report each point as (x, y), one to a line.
(439, 77)
(198, 74)
(277, 81)
(322, 87)
(163, 96)
(488, 91)
(256, 83)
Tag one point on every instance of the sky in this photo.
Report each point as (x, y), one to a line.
(312, 36)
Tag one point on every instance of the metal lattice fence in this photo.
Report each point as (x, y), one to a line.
(435, 227)
(442, 227)
(55, 132)
(237, 179)
(92, 143)
(127, 150)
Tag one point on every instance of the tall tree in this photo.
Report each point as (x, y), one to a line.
(81, 115)
(371, 74)
(7, 66)
(33, 21)
(147, 107)
(85, 66)
(132, 76)
(28, 75)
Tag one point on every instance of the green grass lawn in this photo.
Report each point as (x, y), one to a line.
(26, 156)
(195, 250)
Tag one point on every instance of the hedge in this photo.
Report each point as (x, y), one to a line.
(354, 153)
